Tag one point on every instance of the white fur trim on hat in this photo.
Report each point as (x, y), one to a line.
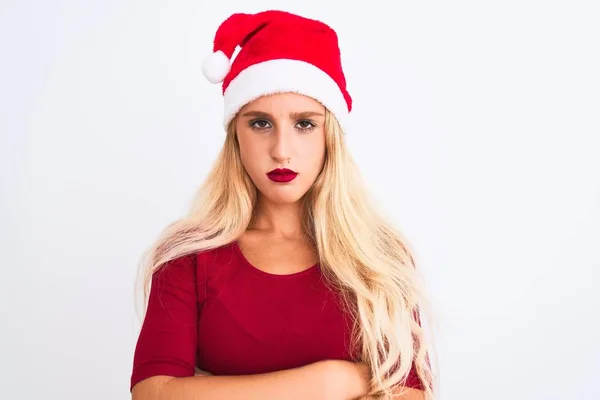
(281, 76)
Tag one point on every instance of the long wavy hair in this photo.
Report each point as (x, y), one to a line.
(360, 253)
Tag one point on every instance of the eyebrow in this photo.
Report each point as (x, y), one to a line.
(293, 115)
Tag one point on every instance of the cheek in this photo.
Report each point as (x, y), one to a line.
(255, 164)
(250, 161)
(314, 158)
(248, 153)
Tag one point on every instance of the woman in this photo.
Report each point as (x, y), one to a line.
(283, 282)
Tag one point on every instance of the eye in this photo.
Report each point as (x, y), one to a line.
(259, 124)
(306, 125)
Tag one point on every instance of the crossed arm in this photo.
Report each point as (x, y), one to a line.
(324, 380)
(169, 333)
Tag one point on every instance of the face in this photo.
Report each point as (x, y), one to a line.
(278, 128)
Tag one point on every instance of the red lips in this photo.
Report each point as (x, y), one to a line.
(282, 175)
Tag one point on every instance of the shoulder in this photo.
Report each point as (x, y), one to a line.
(189, 271)
(211, 258)
(201, 263)
(177, 271)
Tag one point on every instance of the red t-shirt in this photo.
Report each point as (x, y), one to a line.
(216, 311)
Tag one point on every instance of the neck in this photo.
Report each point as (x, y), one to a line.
(279, 220)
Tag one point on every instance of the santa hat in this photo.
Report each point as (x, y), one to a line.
(280, 52)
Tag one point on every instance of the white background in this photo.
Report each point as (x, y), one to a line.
(476, 125)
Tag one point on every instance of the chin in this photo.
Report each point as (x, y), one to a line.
(283, 196)
(279, 199)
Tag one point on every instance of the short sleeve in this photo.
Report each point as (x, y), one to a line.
(412, 379)
(167, 340)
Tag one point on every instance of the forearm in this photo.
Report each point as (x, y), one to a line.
(311, 382)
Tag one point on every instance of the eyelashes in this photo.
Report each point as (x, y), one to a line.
(259, 124)
(303, 125)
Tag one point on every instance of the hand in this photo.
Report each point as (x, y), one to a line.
(350, 380)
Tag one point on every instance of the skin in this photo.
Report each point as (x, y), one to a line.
(281, 131)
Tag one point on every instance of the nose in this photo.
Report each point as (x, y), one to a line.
(282, 144)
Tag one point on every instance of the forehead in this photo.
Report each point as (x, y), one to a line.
(284, 103)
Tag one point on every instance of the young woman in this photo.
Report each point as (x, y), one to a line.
(283, 281)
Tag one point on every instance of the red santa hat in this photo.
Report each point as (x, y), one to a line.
(280, 52)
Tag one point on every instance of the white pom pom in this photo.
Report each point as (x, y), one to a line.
(216, 67)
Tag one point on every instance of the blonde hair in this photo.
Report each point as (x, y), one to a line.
(360, 253)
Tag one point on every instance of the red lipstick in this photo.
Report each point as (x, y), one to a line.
(282, 175)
